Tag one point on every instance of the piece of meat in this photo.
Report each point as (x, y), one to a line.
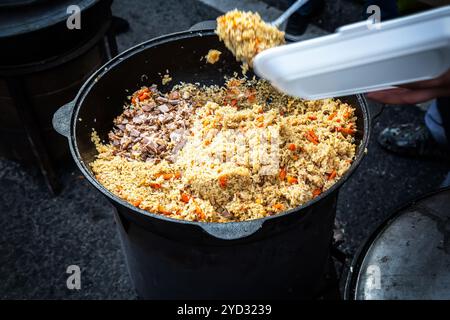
(154, 129)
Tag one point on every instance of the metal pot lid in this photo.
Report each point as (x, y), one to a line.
(18, 3)
(408, 256)
(28, 16)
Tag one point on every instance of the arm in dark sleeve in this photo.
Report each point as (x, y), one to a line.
(443, 105)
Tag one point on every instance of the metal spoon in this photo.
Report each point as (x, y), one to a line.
(285, 15)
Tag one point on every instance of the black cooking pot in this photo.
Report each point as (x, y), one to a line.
(274, 257)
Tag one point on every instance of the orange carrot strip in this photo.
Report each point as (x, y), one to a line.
(282, 174)
(223, 181)
(311, 136)
(199, 212)
(346, 115)
(278, 206)
(162, 210)
(349, 131)
(155, 185)
(251, 97)
(332, 175)
(185, 197)
(143, 96)
(292, 180)
(167, 176)
(137, 202)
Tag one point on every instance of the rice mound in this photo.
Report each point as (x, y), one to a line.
(245, 34)
(248, 152)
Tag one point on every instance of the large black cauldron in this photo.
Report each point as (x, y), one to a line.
(275, 257)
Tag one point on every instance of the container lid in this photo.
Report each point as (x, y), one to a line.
(361, 57)
(408, 256)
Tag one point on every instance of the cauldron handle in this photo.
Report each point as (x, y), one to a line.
(62, 117)
(233, 230)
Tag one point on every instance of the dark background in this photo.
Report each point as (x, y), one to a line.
(40, 235)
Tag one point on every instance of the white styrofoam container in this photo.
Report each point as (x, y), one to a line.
(357, 59)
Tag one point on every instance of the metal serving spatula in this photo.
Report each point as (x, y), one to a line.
(285, 15)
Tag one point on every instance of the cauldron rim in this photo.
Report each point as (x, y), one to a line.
(127, 54)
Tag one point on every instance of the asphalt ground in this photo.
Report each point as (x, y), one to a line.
(41, 235)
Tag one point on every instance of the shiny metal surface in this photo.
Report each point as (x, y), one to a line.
(408, 257)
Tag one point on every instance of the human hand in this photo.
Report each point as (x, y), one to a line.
(416, 92)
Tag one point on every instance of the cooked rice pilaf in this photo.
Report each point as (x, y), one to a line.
(243, 151)
(213, 56)
(245, 34)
